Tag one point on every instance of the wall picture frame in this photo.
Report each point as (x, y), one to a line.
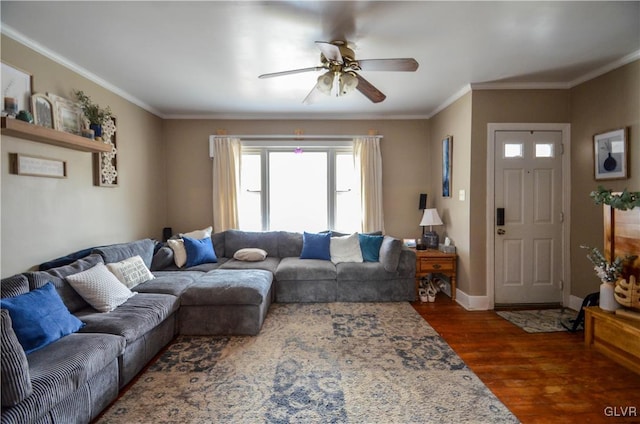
(37, 166)
(447, 152)
(42, 110)
(17, 85)
(610, 155)
(67, 115)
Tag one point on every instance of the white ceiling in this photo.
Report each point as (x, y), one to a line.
(201, 59)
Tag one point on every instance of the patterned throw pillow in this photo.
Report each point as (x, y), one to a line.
(131, 272)
(100, 288)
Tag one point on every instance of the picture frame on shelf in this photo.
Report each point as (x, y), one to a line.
(16, 89)
(42, 110)
(447, 150)
(610, 158)
(68, 116)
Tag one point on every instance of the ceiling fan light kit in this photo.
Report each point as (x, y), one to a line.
(339, 60)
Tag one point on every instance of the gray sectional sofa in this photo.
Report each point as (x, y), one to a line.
(75, 377)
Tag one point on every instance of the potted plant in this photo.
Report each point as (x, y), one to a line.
(96, 115)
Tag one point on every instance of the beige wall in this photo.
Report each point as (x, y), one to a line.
(455, 121)
(609, 102)
(405, 163)
(43, 218)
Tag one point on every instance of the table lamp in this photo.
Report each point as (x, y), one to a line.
(430, 218)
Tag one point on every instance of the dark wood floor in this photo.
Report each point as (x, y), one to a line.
(541, 378)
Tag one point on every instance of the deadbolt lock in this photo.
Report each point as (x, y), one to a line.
(501, 231)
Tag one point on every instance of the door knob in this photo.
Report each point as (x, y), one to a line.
(501, 231)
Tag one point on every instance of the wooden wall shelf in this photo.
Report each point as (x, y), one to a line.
(27, 131)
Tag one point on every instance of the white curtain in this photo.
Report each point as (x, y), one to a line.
(226, 182)
(368, 162)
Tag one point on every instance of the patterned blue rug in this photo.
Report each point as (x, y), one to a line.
(314, 363)
(541, 320)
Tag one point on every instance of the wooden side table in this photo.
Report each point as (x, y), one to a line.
(433, 261)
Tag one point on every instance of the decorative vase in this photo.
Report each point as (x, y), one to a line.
(97, 129)
(607, 299)
(610, 163)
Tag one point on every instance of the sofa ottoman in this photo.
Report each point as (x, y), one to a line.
(226, 302)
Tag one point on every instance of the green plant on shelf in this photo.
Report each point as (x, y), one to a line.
(623, 201)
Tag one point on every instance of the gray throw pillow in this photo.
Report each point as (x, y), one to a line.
(390, 251)
(16, 381)
(14, 286)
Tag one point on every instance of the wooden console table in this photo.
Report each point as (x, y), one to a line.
(433, 261)
(615, 336)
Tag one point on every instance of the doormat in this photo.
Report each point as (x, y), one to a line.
(541, 320)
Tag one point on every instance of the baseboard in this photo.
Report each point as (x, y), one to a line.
(472, 303)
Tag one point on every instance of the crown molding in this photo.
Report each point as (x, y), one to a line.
(17, 36)
(631, 57)
(452, 99)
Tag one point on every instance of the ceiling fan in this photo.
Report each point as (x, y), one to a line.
(342, 77)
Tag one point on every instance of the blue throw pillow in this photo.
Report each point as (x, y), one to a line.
(199, 251)
(316, 246)
(370, 246)
(40, 318)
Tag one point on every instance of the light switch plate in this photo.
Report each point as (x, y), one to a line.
(462, 195)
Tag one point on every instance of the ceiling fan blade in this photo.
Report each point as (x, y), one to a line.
(366, 88)
(330, 51)
(398, 65)
(293, 71)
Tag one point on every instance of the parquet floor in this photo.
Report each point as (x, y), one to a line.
(541, 378)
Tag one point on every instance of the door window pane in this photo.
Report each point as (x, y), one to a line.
(544, 150)
(513, 150)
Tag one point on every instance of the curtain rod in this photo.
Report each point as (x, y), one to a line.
(295, 136)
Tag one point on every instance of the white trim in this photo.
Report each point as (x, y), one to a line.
(472, 303)
(520, 86)
(300, 137)
(315, 116)
(492, 128)
(606, 68)
(450, 100)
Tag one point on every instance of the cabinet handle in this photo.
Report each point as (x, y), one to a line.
(436, 266)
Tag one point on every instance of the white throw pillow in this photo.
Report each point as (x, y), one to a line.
(250, 254)
(198, 234)
(100, 288)
(131, 271)
(345, 249)
(179, 252)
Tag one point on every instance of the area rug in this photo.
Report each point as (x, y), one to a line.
(541, 320)
(314, 363)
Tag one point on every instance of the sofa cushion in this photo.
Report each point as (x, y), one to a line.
(199, 251)
(134, 318)
(345, 249)
(390, 253)
(366, 271)
(57, 276)
(316, 246)
(40, 318)
(269, 264)
(100, 288)
(250, 254)
(289, 244)
(131, 272)
(59, 369)
(169, 282)
(305, 269)
(229, 287)
(14, 368)
(370, 246)
(13, 286)
(237, 239)
(122, 251)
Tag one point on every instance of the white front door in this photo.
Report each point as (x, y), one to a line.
(528, 242)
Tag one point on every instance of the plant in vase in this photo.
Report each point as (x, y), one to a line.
(97, 116)
(608, 272)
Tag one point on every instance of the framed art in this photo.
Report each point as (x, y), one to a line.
(67, 115)
(447, 146)
(42, 110)
(16, 89)
(105, 165)
(36, 166)
(610, 157)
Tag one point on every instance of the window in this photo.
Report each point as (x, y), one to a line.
(513, 150)
(310, 189)
(544, 150)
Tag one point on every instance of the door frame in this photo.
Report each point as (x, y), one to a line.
(565, 129)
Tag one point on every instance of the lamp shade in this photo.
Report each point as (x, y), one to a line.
(430, 217)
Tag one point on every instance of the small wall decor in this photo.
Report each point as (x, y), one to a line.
(36, 166)
(447, 150)
(42, 110)
(610, 157)
(16, 89)
(68, 116)
(105, 165)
